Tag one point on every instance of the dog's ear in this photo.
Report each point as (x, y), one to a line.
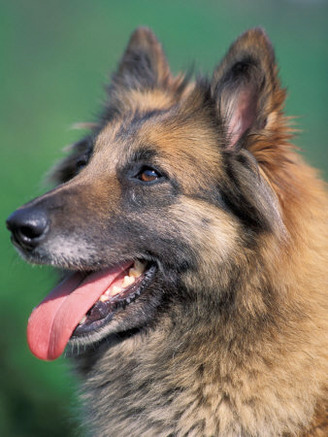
(143, 64)
(245, 87)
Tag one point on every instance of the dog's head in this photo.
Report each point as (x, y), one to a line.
(170, 188)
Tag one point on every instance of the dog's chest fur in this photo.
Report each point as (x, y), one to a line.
(161, 387)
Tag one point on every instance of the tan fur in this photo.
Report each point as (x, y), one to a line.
(239, 348)
(262, 370)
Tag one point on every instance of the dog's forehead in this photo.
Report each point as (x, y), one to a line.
(134, 108)
(165, 131)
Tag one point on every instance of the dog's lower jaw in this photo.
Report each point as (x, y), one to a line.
(120, 309)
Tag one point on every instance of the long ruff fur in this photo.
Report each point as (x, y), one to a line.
(237, 343)
(259, 365)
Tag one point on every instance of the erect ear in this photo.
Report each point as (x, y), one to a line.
(245, 86)
(143, 64)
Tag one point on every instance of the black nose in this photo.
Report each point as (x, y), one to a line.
(28, 227)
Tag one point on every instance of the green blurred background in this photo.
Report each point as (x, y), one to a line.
(56, 56)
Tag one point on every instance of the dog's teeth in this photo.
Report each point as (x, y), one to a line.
(137, 269)
(104, 298)
(128, 280)
(133, 273)
(84, 318)
(115, 290)
(139, 266)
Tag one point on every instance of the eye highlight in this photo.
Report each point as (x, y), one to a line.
(148, 174)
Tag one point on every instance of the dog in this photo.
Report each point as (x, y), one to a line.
(193, 244)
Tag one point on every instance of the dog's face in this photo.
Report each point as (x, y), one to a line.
(163, 187)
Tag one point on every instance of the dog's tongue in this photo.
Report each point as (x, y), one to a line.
(52, 323)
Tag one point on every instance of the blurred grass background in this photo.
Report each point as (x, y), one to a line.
(55, 59)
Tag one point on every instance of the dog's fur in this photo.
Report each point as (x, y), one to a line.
(231, 337)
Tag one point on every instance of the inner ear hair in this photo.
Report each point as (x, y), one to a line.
(238, 96)
(244, 85)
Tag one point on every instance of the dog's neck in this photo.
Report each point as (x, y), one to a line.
(179, 382)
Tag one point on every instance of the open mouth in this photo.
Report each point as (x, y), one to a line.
(83, 303)
(127, 287)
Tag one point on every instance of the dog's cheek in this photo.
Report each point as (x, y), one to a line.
(214, 242)
(182, 238)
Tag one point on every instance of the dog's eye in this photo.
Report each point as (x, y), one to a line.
(148, 174)
(82, 161)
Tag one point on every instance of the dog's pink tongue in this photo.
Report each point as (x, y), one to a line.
(52, 323)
